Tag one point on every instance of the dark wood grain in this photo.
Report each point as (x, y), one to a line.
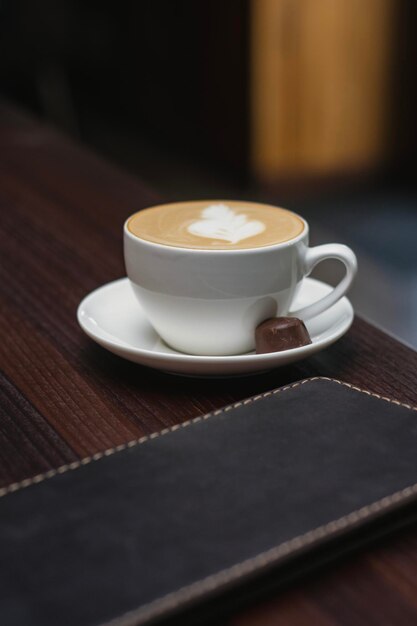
(62, 210)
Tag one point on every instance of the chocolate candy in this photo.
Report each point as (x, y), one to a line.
(280, 333)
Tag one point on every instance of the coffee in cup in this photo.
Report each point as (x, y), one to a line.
(227, 225)
(207, 273)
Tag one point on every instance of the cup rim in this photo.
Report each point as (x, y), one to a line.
(236, 251)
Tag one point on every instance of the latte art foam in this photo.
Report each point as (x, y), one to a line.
(219, 221)
(226, 225)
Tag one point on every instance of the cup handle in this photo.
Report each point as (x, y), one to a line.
(312, 256)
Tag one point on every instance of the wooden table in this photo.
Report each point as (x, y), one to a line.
(62, 210)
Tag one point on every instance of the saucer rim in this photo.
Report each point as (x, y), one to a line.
(182, 356)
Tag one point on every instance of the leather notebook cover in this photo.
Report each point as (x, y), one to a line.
(186, 515)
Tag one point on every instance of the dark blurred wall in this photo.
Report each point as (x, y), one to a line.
(174, 71)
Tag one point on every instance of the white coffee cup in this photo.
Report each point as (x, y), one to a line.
(209, 302)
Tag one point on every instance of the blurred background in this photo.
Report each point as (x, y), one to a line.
(308, 104)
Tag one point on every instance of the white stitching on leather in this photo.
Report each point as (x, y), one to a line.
(272, 556)
(173, 599)
(135, 442)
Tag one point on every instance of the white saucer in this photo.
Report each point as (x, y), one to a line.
(112, 317)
